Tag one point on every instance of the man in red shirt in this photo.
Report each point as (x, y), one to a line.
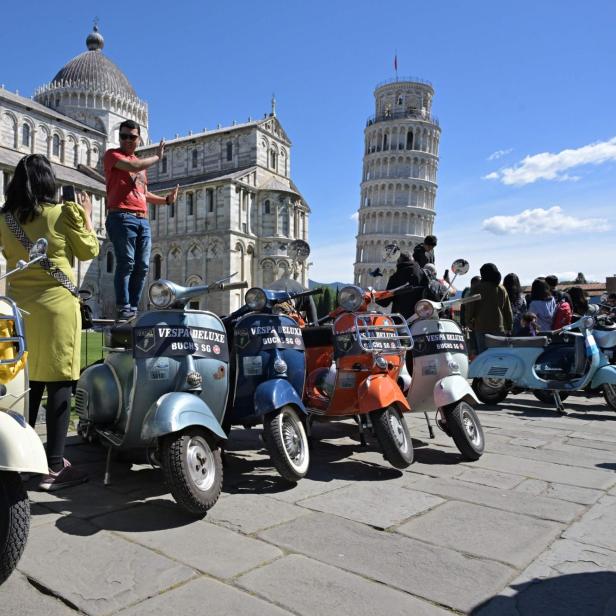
(127, 222)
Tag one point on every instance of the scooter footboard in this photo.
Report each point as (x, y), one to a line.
(175, 411)
(452, 389)
(379, 391)
(274, 394)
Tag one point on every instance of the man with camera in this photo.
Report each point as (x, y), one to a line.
(127, 222)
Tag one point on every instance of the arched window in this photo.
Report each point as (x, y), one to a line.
(267, 207)
(273, 159)
(195, 158)
(385, 143)
(55, 145)
(409, 140)
(25, 135)
(189, 203)
(163, 165)
(158, 266)
(109, 267)
(229, 150)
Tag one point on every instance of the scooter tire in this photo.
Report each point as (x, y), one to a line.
(609, 393)
(466, 430)
(490, 395)
(14, 522)
(545, 395)
(286, 441)
(393, 435)
(193, 486)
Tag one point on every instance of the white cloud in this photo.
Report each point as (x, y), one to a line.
(541, 221)
(499, 154)
(549, 166)
(354, 216)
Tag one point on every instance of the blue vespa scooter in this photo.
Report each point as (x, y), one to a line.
(267, 357)
(561, 362)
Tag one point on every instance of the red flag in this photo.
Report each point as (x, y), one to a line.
(396, 62)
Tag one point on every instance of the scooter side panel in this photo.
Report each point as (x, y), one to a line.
(21, 449)
(176, 411)
(453, 389)
(501, 363)
(379, 391)
(606, 375)
(274, 394)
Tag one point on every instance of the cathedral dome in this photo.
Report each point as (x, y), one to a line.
(94, 71)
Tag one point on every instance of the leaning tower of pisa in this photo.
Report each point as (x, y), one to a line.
(398, 186)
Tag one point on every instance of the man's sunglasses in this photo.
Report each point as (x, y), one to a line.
(125, 136)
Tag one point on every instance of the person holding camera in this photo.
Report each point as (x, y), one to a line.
(127, 222)
(52, 319)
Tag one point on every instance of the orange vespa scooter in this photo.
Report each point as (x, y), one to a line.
(352, 368)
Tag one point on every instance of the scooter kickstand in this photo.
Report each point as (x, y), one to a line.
(559, 403)
(362, 437)
(430, 430)
(107, 479)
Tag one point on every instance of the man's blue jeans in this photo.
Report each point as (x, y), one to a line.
(132, 243)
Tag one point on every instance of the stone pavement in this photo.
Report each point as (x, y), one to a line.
(528, 529)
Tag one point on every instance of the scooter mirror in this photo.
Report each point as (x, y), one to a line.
(39, 249)
(298, 250)
(391, 252)
(460, 267)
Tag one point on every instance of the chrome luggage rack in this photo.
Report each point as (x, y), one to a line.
(18, 339)
(394, 336)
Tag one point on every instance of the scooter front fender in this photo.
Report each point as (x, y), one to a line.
(379, 391)
(604, 376)
(21, 449)
(274, 394)
(452, 389)
(175, 411)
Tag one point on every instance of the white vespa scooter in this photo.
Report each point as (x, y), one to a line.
(21, 450)
(440, 367)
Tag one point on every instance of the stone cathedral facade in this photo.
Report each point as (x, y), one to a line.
(398, 189)
(238, 208)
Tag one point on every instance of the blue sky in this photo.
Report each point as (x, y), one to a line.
(532, 81)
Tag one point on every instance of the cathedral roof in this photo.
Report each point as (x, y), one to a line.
(94, 71)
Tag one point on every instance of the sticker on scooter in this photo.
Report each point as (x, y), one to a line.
(179, 342)
(252, 365)
(159, 369)
(441, 342)
(278, 336)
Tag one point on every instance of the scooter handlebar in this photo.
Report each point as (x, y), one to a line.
(232, 286)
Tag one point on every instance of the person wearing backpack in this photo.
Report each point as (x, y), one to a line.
(562, 315)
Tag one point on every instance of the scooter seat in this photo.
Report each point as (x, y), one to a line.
(516, 341)
(120, 336)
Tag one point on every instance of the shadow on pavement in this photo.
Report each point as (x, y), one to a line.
(577, 594)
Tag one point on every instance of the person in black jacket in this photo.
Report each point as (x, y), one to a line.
(424, 253)
(407, 271)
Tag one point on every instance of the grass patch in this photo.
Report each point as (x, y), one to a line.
(91, 347)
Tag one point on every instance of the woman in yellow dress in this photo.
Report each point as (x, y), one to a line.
(53, 319)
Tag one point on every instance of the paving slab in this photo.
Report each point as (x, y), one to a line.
(575, 494)
(308, 487)
(376, 504)
(493, 479)
(249, 513)
(401, 562)
(20, 598)
(568, 578)
(558, 473)
(311, 588)
(209, 548)
(204, 596)
(516, 502)
(532, 486)
(591, 443)
(39, 515)
(97, 572)
(507, 537)
(597, 526)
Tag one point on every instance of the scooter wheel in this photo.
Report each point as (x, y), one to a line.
(609, 393)
(466, 430)
(490, 391)
(545, 395)
(14, 522)
(286, 441)
(393, 436)
(192, 467)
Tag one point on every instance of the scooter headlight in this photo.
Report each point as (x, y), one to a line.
(162, 294)
(424, 309)
(350, 298)
(255, 298)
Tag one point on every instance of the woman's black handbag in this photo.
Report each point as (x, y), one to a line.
(53, 270)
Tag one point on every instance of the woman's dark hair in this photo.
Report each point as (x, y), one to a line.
(489, 272)
(540, 291)
(511, 282)
(579, 300)
(33, 183)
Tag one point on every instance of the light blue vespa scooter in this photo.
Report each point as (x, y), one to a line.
(561, 362)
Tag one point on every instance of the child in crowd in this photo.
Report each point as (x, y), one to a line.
(528, 324)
